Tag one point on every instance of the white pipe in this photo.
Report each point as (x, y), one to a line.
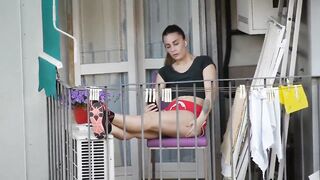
(51, 60)
(110, 156)
(54, 18)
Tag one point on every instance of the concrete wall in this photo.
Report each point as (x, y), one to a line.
(23, 133)
(314, 55)
(314, 29)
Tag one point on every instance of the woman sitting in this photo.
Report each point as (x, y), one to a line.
(180, 65)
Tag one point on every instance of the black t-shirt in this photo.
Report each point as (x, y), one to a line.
(194, 73)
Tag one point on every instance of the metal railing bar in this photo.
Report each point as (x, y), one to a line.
(195, 129)
(178, 133)
(140, 94)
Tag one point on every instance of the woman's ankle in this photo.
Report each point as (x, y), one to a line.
(110, 115)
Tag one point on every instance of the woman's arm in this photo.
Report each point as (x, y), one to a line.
(209, 75)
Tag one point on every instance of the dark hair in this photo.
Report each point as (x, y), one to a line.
(171, 29)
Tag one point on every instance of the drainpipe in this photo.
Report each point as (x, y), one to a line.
(75, 43)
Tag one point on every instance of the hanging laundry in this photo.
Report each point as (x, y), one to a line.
(235, 122)
(293, 98)
(264, 111)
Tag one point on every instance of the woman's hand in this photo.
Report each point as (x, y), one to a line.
(151, 108)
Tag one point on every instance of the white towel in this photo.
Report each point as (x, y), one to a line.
(264, 108)
(276, 123)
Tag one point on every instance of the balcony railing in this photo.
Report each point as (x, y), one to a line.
(75, 153)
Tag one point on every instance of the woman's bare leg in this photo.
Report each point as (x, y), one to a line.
(151, 123)
(120, 134)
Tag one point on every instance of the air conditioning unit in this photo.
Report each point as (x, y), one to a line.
(92, 158)
(252, 15)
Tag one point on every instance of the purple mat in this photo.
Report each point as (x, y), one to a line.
(172, 142)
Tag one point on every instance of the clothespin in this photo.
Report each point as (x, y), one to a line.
(168, 97)
(287, 81)
(271, 94)
(162, 94)
(149, 95)
(94, 94)
(153, 95)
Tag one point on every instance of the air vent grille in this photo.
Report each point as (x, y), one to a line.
(89, 159)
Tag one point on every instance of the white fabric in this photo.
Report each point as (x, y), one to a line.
(264, 110)
(277, 145)
(234, 134)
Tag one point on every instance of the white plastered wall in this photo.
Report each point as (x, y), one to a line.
(23, 133)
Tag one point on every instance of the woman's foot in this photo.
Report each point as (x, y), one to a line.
(97, 116)
(110, 115)
(110, 119)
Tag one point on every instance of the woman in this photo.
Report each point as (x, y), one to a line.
(180, 65)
